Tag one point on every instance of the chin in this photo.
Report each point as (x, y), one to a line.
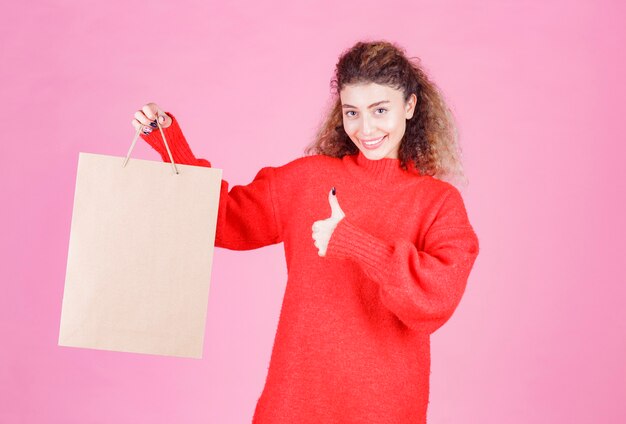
(374, 154)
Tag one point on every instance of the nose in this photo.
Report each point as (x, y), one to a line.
(366, 126)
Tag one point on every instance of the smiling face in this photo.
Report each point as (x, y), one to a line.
(374, 117)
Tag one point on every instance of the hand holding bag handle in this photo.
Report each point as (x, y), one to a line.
(132, 146)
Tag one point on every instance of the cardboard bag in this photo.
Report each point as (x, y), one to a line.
(140, 255)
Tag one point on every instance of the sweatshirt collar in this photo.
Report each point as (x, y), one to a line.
(381, 171)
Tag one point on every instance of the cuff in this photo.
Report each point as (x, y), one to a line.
(181, 152)
(351, 242)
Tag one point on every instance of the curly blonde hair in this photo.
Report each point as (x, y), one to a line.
(431, 137)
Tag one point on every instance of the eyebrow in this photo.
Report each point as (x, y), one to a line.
(372, 105)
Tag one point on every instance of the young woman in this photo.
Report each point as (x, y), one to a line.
(378, 246)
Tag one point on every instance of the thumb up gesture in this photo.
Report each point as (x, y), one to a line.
(322, 230)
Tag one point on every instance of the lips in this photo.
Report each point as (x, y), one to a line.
(373, 143)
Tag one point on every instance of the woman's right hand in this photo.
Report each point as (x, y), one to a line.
(145, 118)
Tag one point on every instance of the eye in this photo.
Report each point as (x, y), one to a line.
(347, 113)
(383, 110)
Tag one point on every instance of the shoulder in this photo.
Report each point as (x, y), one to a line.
(290, 180)
(442, 194)
(435, 186)
(307, 165)
(310, 161)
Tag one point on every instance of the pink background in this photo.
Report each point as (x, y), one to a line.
(538, 89)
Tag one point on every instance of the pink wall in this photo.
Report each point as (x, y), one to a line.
(540, 336)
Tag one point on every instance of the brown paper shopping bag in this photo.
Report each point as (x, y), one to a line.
(140, 255)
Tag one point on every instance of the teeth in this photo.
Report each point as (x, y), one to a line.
(373, 142)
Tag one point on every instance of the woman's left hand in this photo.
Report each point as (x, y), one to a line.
(323, 230)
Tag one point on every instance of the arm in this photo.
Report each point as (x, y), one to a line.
(181, 152)
(421, 287)
(247, 215)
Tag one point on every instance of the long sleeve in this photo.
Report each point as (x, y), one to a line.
(421, 287)
(248, 214)
(181, 152)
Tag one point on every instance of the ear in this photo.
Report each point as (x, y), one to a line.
(410, 106)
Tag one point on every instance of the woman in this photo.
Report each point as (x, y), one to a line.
(368, 284)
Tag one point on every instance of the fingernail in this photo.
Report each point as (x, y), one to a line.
(147, 130)
(334, 191)
(161, 119)
(153, 124)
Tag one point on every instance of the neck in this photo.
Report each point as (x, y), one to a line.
(379, 171)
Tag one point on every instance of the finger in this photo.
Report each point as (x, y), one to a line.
(141, 117)
(137, 125)
(335, 209)
(154, 113)
(146, 129)
(151, 110)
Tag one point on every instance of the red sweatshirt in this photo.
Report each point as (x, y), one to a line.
(353, 337)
